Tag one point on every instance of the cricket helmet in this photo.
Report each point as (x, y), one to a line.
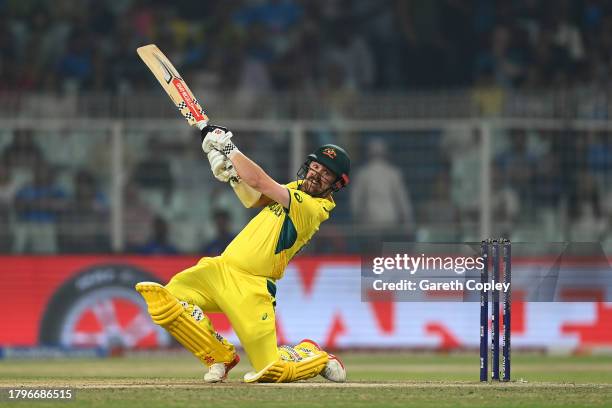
(335, 159)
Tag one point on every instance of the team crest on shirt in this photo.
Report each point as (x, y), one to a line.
(329, 152)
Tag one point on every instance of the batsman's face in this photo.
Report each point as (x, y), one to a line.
(318, 180)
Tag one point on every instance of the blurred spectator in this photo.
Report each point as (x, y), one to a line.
(526, 58)
(424, 53)
(549, 189)
(84, 225)
(464, 152)
(221, 196)
(298, 66)
(254, 76)
(75, 65)
(566, 35)
(507, 57)
(586, 222)
(158, 244)
(606, 207)
(379, 198)
(223, 233)
(137, 217)
(338, 97)
(438, 217)
(277, 19)
(456, 140)
(8, 188)
(153, 172)
(418, 44)
(517, 166)
(350, 50)
(23, 152)
(123, 70)
(505, 205)
(488, 96)
(599, 157)
(459, 40)
(8, 45)
(99, 157)
(37, 206)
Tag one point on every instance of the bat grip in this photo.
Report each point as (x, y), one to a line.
(201, 124)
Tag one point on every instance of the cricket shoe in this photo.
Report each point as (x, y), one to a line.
(218, 371)
(334, 370)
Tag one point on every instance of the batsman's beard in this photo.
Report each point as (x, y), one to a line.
(314, 187)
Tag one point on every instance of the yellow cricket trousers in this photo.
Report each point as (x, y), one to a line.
(247, 300)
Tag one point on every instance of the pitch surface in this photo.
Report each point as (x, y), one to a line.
(389, 379)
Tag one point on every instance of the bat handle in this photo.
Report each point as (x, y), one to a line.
(201, 124)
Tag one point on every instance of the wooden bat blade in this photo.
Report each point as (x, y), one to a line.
(178, 91)
(174, 85)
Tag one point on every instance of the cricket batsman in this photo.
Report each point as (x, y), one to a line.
(241, 282)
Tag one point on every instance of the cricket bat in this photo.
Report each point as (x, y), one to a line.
(184, 100)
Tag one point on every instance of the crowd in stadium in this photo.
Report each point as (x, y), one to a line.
(545, 184)
(300, 45)
(55, 190)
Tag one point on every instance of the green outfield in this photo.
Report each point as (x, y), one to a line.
(389, 379)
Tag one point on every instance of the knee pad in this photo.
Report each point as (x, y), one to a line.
(187, 324)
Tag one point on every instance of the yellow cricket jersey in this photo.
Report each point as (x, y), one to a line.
(268, 242)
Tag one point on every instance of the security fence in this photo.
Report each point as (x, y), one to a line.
(74, 183)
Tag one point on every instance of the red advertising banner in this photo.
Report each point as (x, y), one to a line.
(39, 293)
(91, 301)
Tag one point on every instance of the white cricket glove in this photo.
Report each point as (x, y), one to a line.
(219, 138)
(221, 167)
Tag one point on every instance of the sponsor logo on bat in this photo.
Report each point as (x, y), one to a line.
(187, 98)
(168, 74)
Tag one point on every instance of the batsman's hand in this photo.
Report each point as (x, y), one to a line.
(216, 137)
(221, 166)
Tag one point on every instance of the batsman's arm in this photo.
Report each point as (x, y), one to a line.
(262, 202)
(251, 175)
(256, 177)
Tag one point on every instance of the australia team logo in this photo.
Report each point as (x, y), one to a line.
(329, 152)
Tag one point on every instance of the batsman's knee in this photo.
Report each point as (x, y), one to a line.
(162, 306)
